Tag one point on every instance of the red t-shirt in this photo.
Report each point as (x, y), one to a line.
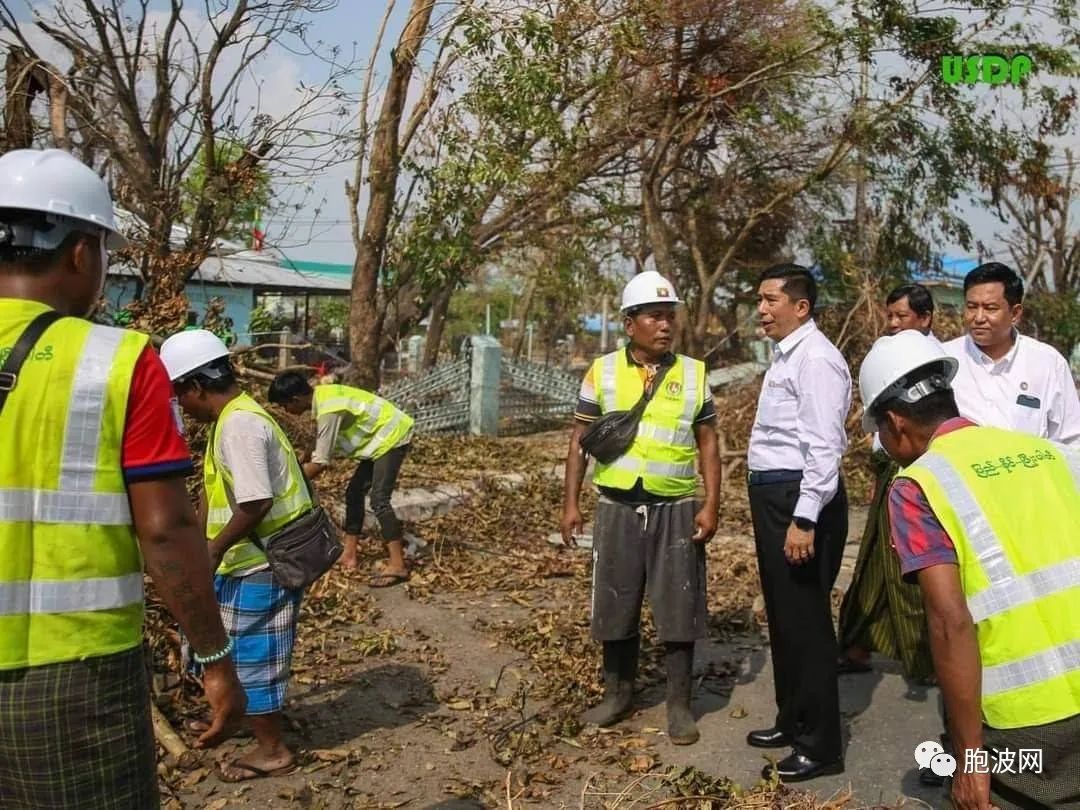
(154, 445)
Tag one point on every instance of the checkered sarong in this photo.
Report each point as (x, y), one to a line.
(77, 735)
(260, 616)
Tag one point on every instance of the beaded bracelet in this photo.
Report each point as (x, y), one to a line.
(215, 657)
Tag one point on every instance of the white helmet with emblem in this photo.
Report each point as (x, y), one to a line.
(648, 288)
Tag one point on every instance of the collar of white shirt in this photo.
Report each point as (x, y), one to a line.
(983, 359)
(795, 338)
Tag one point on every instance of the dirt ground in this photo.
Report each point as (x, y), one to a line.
(461, 689)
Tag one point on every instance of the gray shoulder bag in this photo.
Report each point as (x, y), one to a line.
(610, 436)
(303, 550)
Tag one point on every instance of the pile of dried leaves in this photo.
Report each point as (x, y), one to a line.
(691, 789)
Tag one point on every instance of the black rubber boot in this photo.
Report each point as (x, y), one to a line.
(620, 670)
(679, 660)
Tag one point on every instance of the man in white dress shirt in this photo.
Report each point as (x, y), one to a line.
(799, 509)
(1008, 380)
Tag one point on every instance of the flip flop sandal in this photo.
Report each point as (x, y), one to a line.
(252, 772)
(387, 580)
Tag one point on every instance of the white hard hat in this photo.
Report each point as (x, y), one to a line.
(888, 365)
(190, 351)
(648, 288)
(55, 183)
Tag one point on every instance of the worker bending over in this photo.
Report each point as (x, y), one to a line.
(252, 488)
(358, 425)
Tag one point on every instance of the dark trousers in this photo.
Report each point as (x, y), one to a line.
(639, 549)
(379, 477)
(798, 604)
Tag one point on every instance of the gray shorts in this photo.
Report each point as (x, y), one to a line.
(648, 547)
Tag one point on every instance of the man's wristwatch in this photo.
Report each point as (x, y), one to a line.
(804, 524)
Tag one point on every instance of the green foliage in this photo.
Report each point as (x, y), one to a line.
(326, 315)
(268, 319)
(1055, 319)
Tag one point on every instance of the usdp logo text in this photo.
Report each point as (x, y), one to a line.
(987, 68)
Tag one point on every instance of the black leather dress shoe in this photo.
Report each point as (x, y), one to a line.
(768, 738)
(799, 768)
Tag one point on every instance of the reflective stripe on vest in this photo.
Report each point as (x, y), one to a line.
(657, 468)
(664, 451)
(284, 508)
(1072, 458)
(379, 439)
(71, 582)
(1036, 668)
(1007, 589)
(50, 506)
(1011, 506)
(69, 596)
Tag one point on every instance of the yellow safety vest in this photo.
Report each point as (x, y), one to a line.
(664, 451)
(218, 483)
(71, 583)
(1011, 505)
(377, 426)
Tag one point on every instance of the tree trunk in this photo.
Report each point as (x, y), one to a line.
(383, 169)
(436, 326)
(523, 317)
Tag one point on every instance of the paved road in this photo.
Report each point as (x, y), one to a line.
(885, 718)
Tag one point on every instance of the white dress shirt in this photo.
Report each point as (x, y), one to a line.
(1030, 389)
(804, 401)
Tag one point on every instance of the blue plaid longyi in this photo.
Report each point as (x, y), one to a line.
(260, 616)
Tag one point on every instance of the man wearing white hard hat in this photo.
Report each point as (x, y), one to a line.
(988, 522)
(650, 529)
(91, 492)
(799, 508)
(252, 488)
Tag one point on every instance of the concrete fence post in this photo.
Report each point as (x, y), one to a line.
(484, 386)
(283, 349)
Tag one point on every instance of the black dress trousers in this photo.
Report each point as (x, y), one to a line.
(799, 610)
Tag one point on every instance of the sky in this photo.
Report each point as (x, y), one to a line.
(314, 221)
(327, 234)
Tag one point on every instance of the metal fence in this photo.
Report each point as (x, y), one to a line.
(438, 400)
(531, 395)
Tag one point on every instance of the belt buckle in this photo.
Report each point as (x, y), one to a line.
(8, 380)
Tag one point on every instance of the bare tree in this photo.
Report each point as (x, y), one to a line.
(144, 94)
(1045, 242)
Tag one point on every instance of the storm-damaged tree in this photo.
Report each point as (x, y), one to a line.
(764, 133)
(168, 103)
(492, 165)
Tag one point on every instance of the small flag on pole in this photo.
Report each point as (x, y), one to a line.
(257, 233)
